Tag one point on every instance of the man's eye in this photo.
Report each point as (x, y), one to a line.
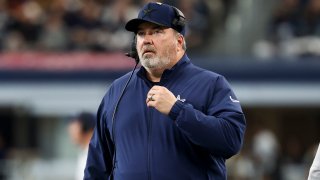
(157, 31)
(140, 33)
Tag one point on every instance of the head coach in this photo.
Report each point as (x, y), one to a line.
(169, 119)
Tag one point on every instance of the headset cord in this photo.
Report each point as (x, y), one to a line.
(113, 121)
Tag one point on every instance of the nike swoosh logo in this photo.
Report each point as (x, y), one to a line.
(234, 100)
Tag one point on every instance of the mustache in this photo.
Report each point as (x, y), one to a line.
(148, 49)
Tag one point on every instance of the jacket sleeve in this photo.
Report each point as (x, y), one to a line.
(221, 129)
(99, 160)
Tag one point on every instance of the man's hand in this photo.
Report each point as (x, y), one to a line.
(160, 98)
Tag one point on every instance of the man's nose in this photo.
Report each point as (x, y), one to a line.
(147, 39)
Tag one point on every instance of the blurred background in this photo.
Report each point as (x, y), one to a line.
(58, 58)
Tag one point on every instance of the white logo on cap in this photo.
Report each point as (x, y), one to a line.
(159, 3)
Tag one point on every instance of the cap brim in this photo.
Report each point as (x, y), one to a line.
(133, 24)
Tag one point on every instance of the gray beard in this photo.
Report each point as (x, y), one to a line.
(155, 62)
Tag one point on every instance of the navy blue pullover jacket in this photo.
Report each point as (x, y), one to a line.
(204, 128)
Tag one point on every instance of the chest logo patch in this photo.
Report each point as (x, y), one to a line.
(179, 99)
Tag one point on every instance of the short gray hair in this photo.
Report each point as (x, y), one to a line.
(184, 45)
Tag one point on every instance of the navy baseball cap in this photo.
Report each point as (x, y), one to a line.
(160, 14)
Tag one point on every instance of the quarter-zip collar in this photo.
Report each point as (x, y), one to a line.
(168, 73)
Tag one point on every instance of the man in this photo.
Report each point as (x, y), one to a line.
(174, 121)
(80, 130)
(314, 172)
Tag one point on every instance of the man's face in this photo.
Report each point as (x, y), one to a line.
(75, 132)
(156, 46)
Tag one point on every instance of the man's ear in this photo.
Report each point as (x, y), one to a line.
(180, 40)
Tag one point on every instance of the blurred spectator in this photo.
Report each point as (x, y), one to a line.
(242, 167)
(286, 21)
(3, 157)
(14, 41)
(292, 162)
(114, 18)
(25, 21)
(265, 150)
(54, 34)
(311, 18)
(199, 29)
(294, 30)
(82, 25)
(3, 19)
(80, 130)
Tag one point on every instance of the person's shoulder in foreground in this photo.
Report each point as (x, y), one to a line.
(174, 120)
(314, 173)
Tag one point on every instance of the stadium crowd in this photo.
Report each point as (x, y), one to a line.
(293, 30)
(87, 25)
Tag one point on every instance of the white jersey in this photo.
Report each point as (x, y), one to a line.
(81, 164)
(314, 173)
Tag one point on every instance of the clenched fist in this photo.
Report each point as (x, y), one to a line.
(161, 98)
